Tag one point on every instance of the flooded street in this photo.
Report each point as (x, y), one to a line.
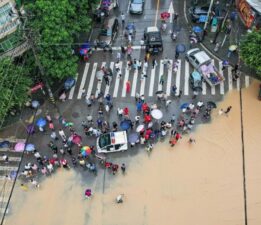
(199, 183)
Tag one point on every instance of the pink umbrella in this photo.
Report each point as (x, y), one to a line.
(19, 147)
(77, 139)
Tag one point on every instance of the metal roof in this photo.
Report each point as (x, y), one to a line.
(256, 4)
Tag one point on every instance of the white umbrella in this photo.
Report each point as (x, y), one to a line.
(140, 128)
(99, 74)
(156, 114)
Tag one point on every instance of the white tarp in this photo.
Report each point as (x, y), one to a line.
(256, 4)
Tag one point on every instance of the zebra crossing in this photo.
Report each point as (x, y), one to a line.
(89, 83)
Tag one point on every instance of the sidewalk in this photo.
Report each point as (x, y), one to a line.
(237, 32)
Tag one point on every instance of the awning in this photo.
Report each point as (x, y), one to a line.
(255, 4)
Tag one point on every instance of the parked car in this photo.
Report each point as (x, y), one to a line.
(204, 65)
(112, 142)
(197, 11)
(136, 6)
(108, 33)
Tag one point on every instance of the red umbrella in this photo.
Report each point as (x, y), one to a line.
(164, 15)
(77, 139)
(145, 107)
(126, 111)
(147, 118)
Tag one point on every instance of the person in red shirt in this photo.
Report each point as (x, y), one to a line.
(126, 111)
(178, 136)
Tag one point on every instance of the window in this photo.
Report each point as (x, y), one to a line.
(105, 140)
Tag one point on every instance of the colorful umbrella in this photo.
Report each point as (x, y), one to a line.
(164, 15)
(4, 144)
(140, 128)
(19, 147)
(197, 29)
(125, 124)
(184, 105)
(41, 122)
(180, 48)
(77, 139)
(35, 104)
(156, 114)
(83, 51)
(86, 150)
(30, 147)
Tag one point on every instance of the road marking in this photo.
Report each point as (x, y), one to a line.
(98, 90)
(117, 81)
(186, 84)
(91, 80)
(134, 83)
(73, 88)
(178, 77)
(11, 158)
(247, 81)
(161, 72)
(184, 11)
(107, 88)
(213, 89)
(126, 78)
(81, 89)
(222, 91)
(142, 84)
(238, 84)
(230, 82)
(157, 11)
(152, 78)
(171, 12)
(8, 168)
(128, 9)
(169, 78)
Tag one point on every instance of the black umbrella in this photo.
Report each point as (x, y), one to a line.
(158, 92)
(211, 104)
(197, 89)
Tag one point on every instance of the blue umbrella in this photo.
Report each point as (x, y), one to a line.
(184, 105)
(130, 26)
(125, 124)
(197, 29)
(30, 147)
(41, 122)
(35, 104)
(203, 18)
(4, 144)
(180, 48)
(133, 137)
(86, 45)
(69, 83)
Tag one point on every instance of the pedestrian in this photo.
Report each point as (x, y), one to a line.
(168, 102)
(117, 66)
(135, 64)
(123, 168)
(162, 79)
(141, 42)
(145, 66)
(235, 69)
(173, 118)
(122, 19)
(51, 126)
(191, 140)
(88, 193)
(176, 55)
(137, 120)
(154, 63)
(129, 38)
(129, 63)
(225, 64)
(120, 112)
(172, 142)
(5, 158)
(128, 86)
(180, 93)
(107, 80)
(139, 63)
(54, 136)
(147, 57)
(118, 56)
(220, 112)
(62, 134)
(175, 17)
(228, 110)
(123, 50)
(115, 168)
(129, 51)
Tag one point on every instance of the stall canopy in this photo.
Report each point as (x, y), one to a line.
(256, 4)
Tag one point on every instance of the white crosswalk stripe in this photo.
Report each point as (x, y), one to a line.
(98, 90)
(91, 80)
(149, 85)
(126, 78)
(117, 81)
(73, 88)
(83, 80)
(169, 78)
(178, 77)
(230, 82)
(152, 79)
(213, 88)
(107, 88)
(186, 84)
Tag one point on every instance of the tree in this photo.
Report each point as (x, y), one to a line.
(55, 25)
(14, 86)
(250, 50)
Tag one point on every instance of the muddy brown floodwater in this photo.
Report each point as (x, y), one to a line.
(199, 183)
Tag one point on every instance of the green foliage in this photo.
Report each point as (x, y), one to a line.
(14, 85)
(250, 51)
(56, 24)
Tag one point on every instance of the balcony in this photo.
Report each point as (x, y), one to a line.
(16, 51)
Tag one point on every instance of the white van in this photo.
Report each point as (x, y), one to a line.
(112, 142)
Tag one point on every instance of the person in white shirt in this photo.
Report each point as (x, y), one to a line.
(62, 134)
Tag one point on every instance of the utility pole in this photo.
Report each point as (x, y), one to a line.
(206, 22)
